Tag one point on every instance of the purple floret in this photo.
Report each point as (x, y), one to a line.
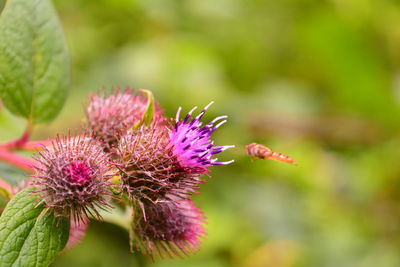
(192, 142)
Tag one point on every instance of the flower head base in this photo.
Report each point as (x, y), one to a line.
(72, 177)
(168, 229)
(109, 117)
(191, 140)
(149, 169)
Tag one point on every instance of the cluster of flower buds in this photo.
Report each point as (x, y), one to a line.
(158, 165)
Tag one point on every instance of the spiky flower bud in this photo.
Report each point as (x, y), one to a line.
(149, 169)
(192, 143)
(110, 116)
(72, 178)
(168, 229)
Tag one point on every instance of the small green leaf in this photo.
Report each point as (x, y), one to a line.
(5, 189)
(148, 114)
(30, 236)
(5, 194)
(34, 61)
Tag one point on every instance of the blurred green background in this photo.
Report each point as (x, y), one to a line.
(318, 80)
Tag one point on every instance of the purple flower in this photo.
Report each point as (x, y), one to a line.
(192, 142)
(168, 229)
(72, 177)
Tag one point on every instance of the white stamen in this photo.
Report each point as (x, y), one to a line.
(201, 114)
(218, 118)
(227, 162)
(226, 147)
(219, 124)
(178, 114)
(212, 102)
(191, 111)
(204, 110)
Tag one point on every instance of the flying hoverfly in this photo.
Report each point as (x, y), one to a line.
(263, 152)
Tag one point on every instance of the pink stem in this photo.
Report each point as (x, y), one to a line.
(16, 160)
(18, 143)
(23, 142)
(35, 145)
(23, 139)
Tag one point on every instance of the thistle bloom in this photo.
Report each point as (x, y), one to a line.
(160, 161)
(168, 229)
(192, 143)
(72, 178)
(109, 117)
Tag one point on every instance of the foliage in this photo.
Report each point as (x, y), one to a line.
(34, 63)
(29, 237)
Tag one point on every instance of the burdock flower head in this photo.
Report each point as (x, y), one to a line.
(160, 161)
(148, 168)
(72, 178)
(110, 116)
(168, 229)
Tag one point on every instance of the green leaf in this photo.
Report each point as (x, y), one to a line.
(5, 193)
(34, 61)
(148, 114)
(30, 236)
(5, 189)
